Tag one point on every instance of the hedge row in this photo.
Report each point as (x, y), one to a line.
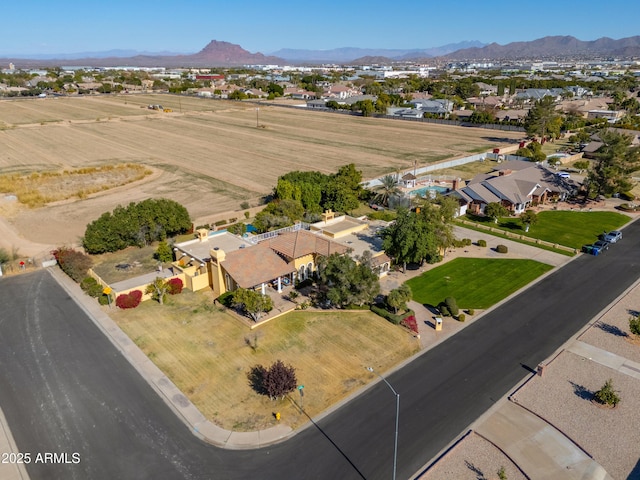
(393, 318)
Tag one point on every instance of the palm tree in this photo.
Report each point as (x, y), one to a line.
(387, 188)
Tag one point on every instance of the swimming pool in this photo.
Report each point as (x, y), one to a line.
(422, 192)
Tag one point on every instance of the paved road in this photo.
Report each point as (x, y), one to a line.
(64, 388)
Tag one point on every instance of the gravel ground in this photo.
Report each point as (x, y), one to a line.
(563, 398)
(611, 332)
(473, 458)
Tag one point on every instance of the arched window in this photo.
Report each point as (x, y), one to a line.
(302, 274)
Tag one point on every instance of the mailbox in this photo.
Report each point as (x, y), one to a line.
(438, 324)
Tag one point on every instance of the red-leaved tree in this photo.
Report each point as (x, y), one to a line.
(275, 381)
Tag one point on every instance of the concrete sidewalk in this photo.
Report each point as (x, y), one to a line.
(11, 470)
(541, 451)
(172, 396)
(608, 359)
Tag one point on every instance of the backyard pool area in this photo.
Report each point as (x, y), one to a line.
(432, 189)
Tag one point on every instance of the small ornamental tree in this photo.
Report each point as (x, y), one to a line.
(399, 297)
(528, 218)
(634, 324)
(129, 300)
(607, 395)
(158, 289)
(164, 252)
(275, 381)
(253, 303)
(495, 210)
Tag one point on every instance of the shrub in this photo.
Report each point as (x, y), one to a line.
(91, 287)
(226, 299)
(387, 315)
(410, 323)
(452, 306)
(305, 283)
(471, 311)
(220, 223)
(73, 263)
(628, 196)
(104, 300)
(247, 215)
(607, 395)
(482, 243)
(232, 220)
(634, 325)
(502, 249)
(444, 311)
(462, 317)
(465, 242)
(245, 206)
(129, 300)
(237, 228)
(175, 286)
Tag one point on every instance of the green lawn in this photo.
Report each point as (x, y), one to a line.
(565, 227)
(475, 282)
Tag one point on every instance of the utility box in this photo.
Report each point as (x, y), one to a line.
(438, 324)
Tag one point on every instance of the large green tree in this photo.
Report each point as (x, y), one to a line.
(345, 281)
(137, 224)
(543, 120)
(615, 161)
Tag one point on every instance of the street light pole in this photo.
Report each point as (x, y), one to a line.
(395, 443)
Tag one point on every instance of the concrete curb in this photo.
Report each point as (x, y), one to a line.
(11, 470)
(166, 389)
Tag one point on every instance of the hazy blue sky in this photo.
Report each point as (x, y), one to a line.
(186, 26)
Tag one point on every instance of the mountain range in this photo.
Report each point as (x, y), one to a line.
(219, 53)
(349, 54)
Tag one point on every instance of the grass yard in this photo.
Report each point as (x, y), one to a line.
(565, 227)
(475, 282)
(207, 353)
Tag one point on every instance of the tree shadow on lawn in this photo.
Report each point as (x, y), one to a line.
(511, 225)
(612, 329)
(582, 391)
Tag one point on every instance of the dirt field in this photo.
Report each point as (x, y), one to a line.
(209, 154)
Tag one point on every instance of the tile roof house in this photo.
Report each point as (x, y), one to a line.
(225, 262)
(517, 185)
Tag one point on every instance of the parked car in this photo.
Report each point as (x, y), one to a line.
(601, 245)
(597, 248)
(612, 237)
(564, 175)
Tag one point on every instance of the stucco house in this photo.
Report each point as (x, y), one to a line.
(224, 262)
(516, 184)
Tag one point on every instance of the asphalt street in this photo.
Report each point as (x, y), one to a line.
(65, 389)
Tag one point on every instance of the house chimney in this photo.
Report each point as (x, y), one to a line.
(218, 255)
(202, 234)
(455, 184)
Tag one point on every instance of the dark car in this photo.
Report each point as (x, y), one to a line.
(601, 245)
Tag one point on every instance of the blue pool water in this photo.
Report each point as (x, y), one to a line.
(423, 191)
(251, 228)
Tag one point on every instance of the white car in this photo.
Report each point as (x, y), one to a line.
(613, 237)
(563, 175)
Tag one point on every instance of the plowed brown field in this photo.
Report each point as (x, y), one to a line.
(209, 155)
